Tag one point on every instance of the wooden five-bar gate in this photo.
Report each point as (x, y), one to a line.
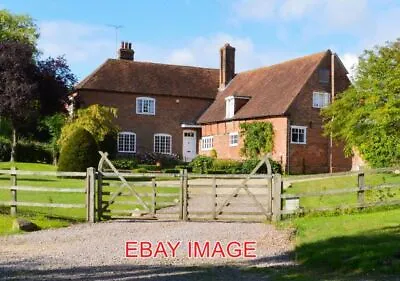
(186, 196)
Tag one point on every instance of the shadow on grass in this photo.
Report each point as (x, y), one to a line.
(373, 255)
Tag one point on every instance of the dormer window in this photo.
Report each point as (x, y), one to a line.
(146, 106)
(230, 107)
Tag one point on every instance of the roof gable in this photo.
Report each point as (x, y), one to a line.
(153, 78)
(272, 89)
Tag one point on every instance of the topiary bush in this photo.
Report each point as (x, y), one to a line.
(79, 152)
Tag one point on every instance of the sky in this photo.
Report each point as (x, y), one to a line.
(190, 32)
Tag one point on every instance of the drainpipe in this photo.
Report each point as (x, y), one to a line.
(332, 100)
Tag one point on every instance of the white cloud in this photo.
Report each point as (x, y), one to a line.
(294, 9)
(350, 61)
(182, 56)
(79, 42)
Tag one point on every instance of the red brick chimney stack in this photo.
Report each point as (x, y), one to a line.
(126, 52)
(227, 67)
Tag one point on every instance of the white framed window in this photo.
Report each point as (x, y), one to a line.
(321, 99)
(229, 107)
(146, 106)
(233, 139)
(126, 142)
(163, 143)
(298, 134)
(207, 143)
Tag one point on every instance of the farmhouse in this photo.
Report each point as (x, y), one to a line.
(173, 109)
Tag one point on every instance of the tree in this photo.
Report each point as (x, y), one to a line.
(96, 119)
(367, 115)
(18, 90)
(258, 138)
(19, 28)
(54, 125)
(55, 82)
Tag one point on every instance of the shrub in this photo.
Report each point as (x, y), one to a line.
(5, 149)
(217, 172)
(33, 152)
(171, 171)
(109, 145)
(165, 160)
(150, 167)
(79, 152)
(182, 167)
(201, 164)
(229, 166)
(140, 170)
(125, 164)
(250, 164)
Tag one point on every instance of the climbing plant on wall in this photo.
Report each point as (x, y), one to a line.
(258, 138)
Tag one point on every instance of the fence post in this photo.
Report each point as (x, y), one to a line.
(361, 189)
(185, 196)
(154, 196)
(99, 195)
(13, 178)
(276, 198)
(181, 196)
(214, 198)
(90, 194)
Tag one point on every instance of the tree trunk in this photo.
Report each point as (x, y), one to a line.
(13, 144)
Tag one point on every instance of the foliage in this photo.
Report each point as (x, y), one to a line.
(183, 167)
(98, 120)
(109, 145)
(18, 89)
(171, 171)
(55, 82)
(5, 128)
(17, 28)
(79, 152)
(229, 166)
(201, 164)
(125, 163)
(140, 170)
(54, 124)
(249, 164)
(367, 115)
(213, 153)
(258, 138)
(164, 160)
(149, 167)
(26, 151)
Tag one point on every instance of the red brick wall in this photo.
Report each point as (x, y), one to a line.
(313, 157)
(171, 112)
(220, 132)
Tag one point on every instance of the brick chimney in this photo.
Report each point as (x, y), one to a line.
(126, 52)
(227, 67)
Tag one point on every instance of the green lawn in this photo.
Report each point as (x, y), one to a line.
(363, 246)
(344, 182)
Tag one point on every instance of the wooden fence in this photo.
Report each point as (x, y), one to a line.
(359, 191)
(14, 188)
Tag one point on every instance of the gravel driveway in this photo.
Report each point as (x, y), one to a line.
(97, 252)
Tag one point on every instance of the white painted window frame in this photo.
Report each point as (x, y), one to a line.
(204, 140)
(229, 107)
(321, 99)
(299, 128)
(162, 135)
(231, 138)
(145, 99)
(123, 134)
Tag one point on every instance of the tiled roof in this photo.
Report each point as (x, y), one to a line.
(153, 78)
(271, 89)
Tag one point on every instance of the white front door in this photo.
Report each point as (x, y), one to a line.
(189, 145)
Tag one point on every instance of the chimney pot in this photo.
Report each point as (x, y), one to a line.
(126, 52)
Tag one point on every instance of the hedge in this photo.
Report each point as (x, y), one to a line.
(31, 152)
